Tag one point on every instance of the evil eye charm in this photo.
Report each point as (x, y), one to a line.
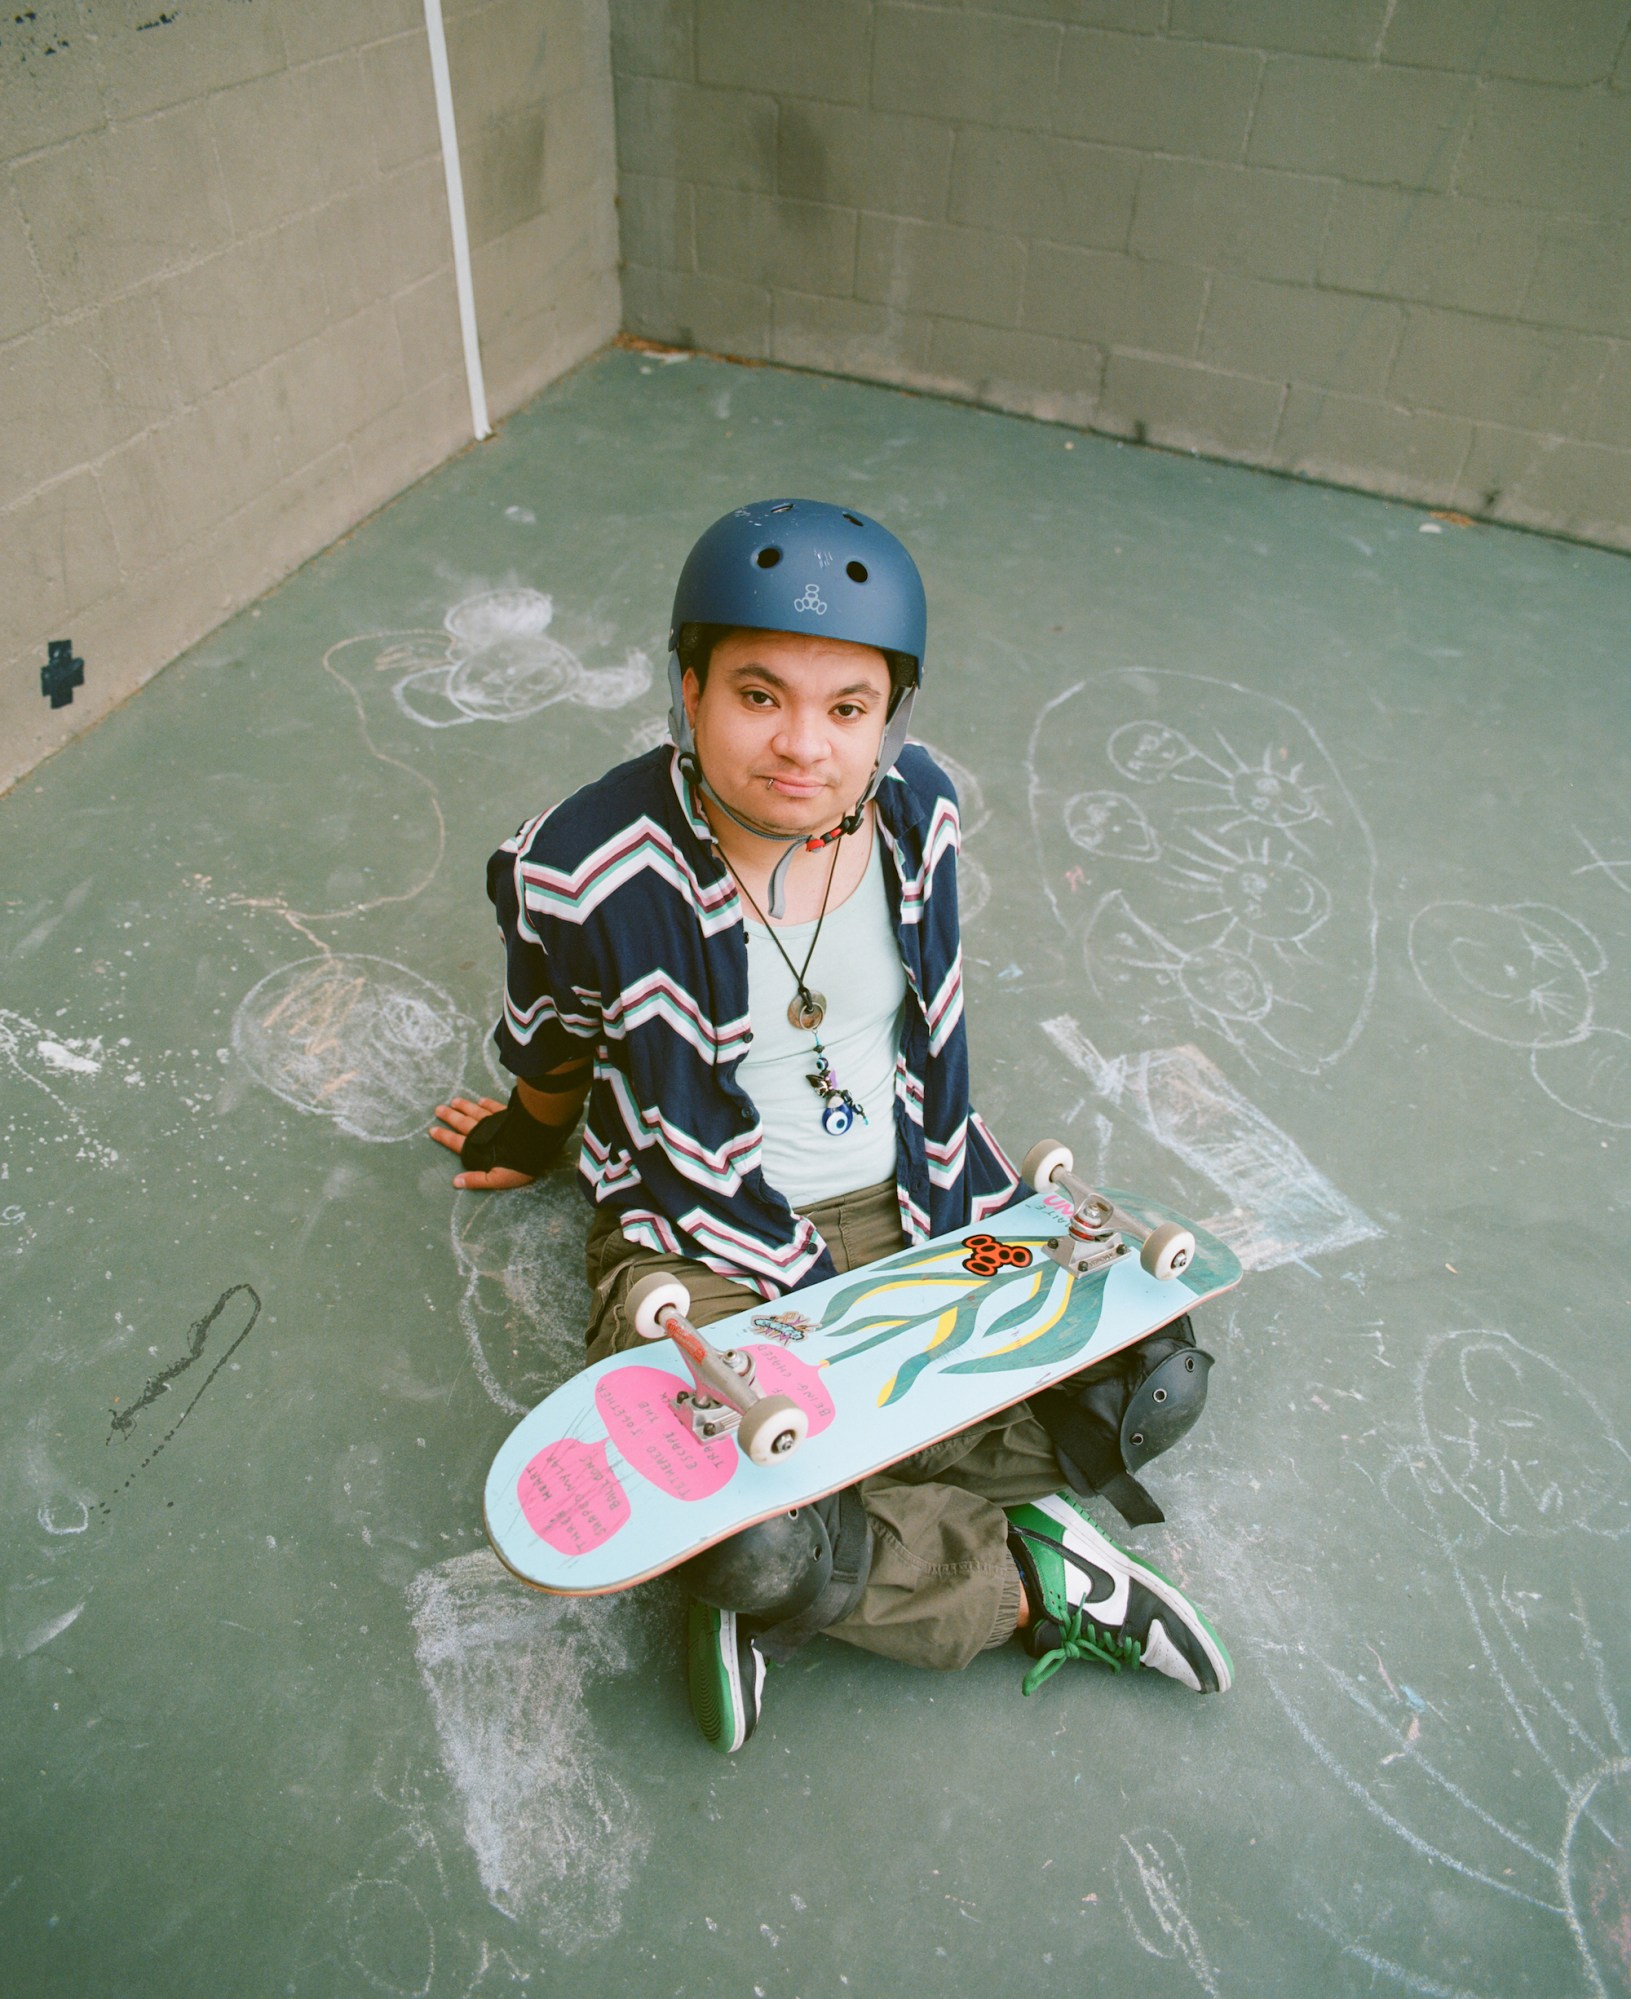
(837, 1118)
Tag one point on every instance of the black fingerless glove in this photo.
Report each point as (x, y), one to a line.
(513, 1137)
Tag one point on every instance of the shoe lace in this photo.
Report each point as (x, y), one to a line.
(1079, 1639)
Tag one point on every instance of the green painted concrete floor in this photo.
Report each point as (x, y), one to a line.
(1297, 881)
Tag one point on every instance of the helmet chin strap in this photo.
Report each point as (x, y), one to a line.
(894, 741)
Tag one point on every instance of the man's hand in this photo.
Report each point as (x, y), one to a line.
(457, 1118)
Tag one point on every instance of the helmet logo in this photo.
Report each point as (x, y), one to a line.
(810, 601)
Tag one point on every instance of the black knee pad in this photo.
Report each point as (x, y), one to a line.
(771, 1571)
(1112, 1418)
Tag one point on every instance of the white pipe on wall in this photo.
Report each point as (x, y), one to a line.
(456, 216)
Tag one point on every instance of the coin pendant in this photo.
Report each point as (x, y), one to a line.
(807, 1010)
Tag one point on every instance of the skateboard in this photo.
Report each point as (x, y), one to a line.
(651, 1456)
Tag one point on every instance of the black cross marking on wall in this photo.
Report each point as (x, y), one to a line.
(62, 673)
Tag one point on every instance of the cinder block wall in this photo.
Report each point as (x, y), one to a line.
(1382, 242)
(228, 324)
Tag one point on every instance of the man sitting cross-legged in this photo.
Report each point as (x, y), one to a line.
(744, 950)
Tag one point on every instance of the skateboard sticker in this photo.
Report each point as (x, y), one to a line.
(786, 1327)
(571, 1497)
(987, 1256)
(637, 1406)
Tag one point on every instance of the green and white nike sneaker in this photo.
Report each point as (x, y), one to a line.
(1089, 1600)
(727, 1675)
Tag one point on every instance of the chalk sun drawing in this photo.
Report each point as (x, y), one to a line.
(1510, 1462)
(1226, 882)
(354, 1038)
(557, 1839)
(498, 662)
(1526, 975)
(1282, 1208)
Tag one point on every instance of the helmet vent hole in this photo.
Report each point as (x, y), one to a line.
(856, 518)
(786, 507)
(767, 558)
(855, 571)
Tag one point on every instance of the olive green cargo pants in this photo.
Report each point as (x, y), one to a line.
(943, 1586)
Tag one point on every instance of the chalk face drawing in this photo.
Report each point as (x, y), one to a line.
(499, 662)
(1527, 975)
(353, 1038)
(1520, 974)
(1201, 848)
(1282, 1208)
(1509, 1436)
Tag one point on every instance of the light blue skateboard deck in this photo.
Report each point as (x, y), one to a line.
(605, 1484)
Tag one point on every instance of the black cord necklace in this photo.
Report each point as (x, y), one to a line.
(806, 1011)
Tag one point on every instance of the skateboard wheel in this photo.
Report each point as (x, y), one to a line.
(1046, 1158)
(1167, 1250)
(651, 1298)
(773, 1426)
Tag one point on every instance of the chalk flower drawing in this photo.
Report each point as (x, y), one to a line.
(1200, 846)
(498, 663)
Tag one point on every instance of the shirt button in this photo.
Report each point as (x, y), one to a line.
(746, 1116)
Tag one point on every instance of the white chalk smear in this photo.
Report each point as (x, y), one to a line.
(41, 1634)
(1283, 1207)
(56, 1056)
(557, 1839)
(1152, 1863)
(33, 1055)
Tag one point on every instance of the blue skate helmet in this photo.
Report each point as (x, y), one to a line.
(804, 566)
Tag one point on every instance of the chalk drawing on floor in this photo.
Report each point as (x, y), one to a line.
(1201, 848)
(1596, 1874)
(525, 1300)
(1614, 868)
(1152, 1885)
(1521, 973)
(354, 1038)
(1526, 975)
(1485, 1442)
(1591, 1077)
(1282, 1208)
(557, 1839)
(498, 662)
(1510, 1459)
(647, 735)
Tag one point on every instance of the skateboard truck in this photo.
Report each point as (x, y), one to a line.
(1097, 1233)
(723, 1400)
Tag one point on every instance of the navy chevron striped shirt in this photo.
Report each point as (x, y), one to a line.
(623, 931)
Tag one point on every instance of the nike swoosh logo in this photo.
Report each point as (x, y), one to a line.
(1104, 1586)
